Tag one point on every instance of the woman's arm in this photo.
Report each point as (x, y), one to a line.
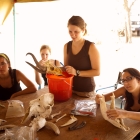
(95, 63)
(38, 78)
(117, 113)
(118, 92)
(30, 87)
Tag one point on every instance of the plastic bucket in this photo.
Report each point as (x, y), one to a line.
(60, 86)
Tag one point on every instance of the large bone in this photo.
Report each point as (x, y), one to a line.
(53, 127)
(42, 106)
(48, 66)
(39, 67)
(38, 123)
(117, 122)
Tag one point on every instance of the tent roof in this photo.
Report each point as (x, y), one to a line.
(7, 5)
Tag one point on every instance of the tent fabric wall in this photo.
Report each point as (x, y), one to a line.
(31, 0)
(6, 7)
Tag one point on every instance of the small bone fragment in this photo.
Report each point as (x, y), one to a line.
(2, 105)
(60, 117)
(2, 121)
(53, 127)
(55, 114)
(112, 104)
(72, 120)
(7, 126)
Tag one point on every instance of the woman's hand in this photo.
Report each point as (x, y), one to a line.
(42, 62)
(70, 70)
(97, 98)
(115, 113)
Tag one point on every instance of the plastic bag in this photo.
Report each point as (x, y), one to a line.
(15, 109)
(19, 133)
(85, 108)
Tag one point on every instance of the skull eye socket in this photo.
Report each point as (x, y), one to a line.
(48, 107)
(52, 68)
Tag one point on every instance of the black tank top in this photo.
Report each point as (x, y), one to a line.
(129, 101)
(5, 93)
(81, 61)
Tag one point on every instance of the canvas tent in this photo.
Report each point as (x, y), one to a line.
(7, 5)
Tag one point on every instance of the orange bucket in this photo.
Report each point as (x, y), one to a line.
(60, 86)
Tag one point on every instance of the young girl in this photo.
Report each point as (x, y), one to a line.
(45, 52)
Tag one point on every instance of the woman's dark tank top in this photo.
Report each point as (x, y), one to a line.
(81, 61)
(44, 77)
(129, 101)
(6, 93)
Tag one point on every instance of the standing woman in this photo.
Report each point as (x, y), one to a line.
(10, 80)
(45, 52)
(81, 58)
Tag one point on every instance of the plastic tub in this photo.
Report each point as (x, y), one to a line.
(60, 86)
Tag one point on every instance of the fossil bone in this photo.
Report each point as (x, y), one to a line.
(2, 121)
(42, 106)
(55, 114)
(117, 122)
(7, 126)
(48, 67)
(53, 127)
(72, 120)
(2, 105)
(38, 123)
(60, 117)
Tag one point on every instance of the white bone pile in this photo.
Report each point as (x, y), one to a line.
(41, 109)
(117, 122)
(42, 106)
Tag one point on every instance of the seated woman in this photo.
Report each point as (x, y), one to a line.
(45, 52)
(130, 90)
(10, 80)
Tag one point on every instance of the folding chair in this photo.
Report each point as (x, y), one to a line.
(115, 86)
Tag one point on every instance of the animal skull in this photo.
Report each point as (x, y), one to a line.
(42, 106)
(117, 122)
(48, 67)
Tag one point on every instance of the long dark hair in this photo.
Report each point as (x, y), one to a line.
(10, 69)
(129, 98)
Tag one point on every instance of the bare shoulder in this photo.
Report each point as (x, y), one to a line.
(65, 46)
(19, 74)
(93, 46)
(93, 49)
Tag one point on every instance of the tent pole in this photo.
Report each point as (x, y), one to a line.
(14, 35)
